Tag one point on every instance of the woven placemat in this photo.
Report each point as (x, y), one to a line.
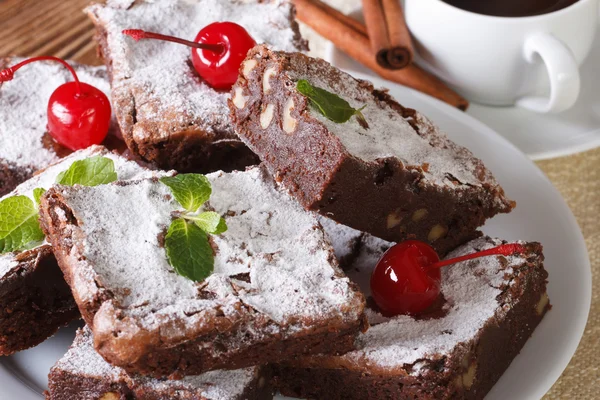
(58, 27)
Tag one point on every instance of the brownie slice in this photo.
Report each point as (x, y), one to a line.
(276, 290)
(167, 113)
(25, 145)
(83, 374)
(458, 349)
(414, 181)
(34, 298)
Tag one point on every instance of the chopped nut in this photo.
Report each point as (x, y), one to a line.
(267, 116)
(239, 100)
(249, 65)
(110, 396)
(266, 79)
(468, 378)
(289, 122)
(438, 231)
(541, 305)
(394, 219)
(419, 214)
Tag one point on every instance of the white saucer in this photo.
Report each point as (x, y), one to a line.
(540, 136)
(541, 215)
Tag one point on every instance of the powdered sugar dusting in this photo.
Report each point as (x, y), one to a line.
(159, 75)
(125, 169)
(389, 134)
(470, 289)
(344, 239)
(279, 247)
(23, 110)
(82, 359)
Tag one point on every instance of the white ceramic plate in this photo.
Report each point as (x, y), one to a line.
(541, 215)
(540, 136)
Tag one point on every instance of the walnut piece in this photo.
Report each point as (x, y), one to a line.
(249, 65)
(437, 232)
(289, 122)
(419, 214)
(267, 116)
(269, 72)
(239, 100)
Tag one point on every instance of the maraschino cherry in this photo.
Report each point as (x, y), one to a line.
(217, 51)
(407, 278)
(78, 113)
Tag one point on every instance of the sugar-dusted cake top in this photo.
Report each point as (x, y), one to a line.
(159, 75)
(471, 290)
(393, 132)
(273, 265)
(83, 360)
(46, 178)
(23, 110)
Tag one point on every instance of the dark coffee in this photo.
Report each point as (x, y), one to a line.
(511, 8)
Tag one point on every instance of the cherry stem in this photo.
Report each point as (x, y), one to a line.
(8, 73)
(502, 250)
(138, 34)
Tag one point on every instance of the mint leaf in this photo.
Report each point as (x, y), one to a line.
(19, 225)
(209, 222)
(190, 190)
(37, 194)
(189, 251)
(332, 106)
(92, 171)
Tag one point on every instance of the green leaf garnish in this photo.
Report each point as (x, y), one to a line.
(37, 194)
(332, 106)
(190, 190)
(187, 245)
(189, 251)
(19, 225)
(92, 171)
(209, 222)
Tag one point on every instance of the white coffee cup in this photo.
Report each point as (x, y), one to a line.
(532, 62)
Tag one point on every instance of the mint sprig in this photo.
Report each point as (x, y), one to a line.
(92, 171)
(187, 242)
(189, 251)
(330, 105)
(19, 225)
(19, 216)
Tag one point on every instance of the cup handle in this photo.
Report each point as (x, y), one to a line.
(563, 70)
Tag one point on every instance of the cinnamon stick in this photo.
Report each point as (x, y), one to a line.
(401, 45)
(327, 21)
(390, 39)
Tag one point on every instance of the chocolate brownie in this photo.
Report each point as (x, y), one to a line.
(414, 181)
(488, 309)
(83, 374)
(25, 145)
(276, 290)
(34, 298)
(167, 113)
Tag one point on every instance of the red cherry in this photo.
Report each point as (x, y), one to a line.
(401, 282)
(407, 278)
(78, 113)
(217, 51)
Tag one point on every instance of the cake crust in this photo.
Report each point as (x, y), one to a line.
(171, 117)
(416, 183)
(436, 356)
(273, 295)
(35, 300)
(82, 374)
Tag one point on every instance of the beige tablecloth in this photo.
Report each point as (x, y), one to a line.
(577, 177)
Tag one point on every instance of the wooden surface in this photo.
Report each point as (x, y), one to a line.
(59, 27)
(47, 27)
